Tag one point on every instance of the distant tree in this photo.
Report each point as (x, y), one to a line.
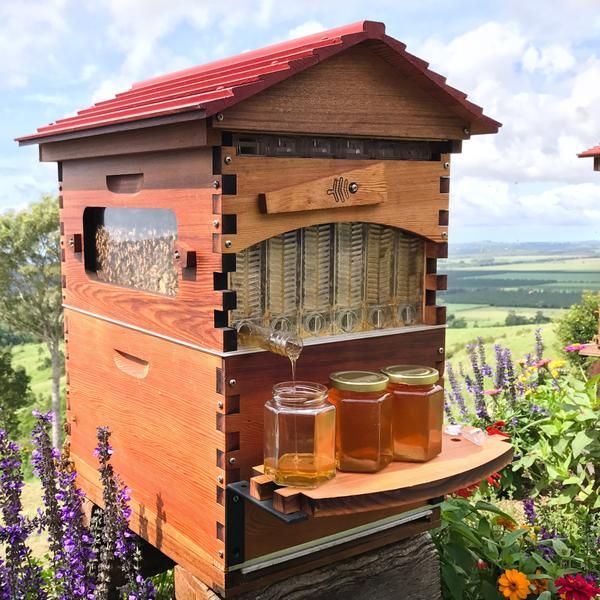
(512, 318)
(14, 392)
(30, 291)
(460, 323)
(579, 324)
(540, 318)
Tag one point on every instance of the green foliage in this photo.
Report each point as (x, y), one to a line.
(30, 292)
(512, 318)
(579, 324)
(457, 322)
(561, 453)
(30, 289)
(14, 392)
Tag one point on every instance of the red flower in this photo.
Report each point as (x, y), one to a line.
(494, 479)
(495, 429)
(575, 587)
(468, 491)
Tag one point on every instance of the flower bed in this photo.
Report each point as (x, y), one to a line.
(534, 530)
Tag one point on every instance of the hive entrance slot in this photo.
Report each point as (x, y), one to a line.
(130, 364)
(127, 183)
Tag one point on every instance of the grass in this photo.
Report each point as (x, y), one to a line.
(520, 339)
(484, 315)
(35, 358)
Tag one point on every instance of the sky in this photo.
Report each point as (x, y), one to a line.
(533, 65)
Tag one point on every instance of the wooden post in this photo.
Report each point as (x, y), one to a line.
(409, 569)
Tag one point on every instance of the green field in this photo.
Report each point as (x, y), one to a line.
(484, 315)
(520, 339)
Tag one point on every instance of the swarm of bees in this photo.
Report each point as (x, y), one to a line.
(137, 259)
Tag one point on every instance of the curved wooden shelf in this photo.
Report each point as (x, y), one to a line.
(460, 464)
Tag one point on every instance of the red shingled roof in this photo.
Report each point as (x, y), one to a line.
(213, 87)
(595, 151)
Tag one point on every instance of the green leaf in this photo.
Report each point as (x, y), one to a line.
(560, 548)
(547, 595)
(489, 591)
(454, 581)
(580, 443)
(510, 538)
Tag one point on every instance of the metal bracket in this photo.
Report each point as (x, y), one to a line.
(236, 495)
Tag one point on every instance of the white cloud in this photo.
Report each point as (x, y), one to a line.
(306, 28)
(29, 32)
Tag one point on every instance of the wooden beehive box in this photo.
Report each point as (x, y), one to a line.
(179, 199)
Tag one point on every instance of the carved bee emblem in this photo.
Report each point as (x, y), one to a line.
(341, 189)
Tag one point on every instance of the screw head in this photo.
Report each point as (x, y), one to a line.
(177, 255)
(232, 461)
(353, 187)
(228, 160)
(71, 241)
(216, 184)
(228, 243)
(444, 235)
(232, 382)
(220, 478)
(221, 554)
(216, 224)
(446, 165)
(220, 404)
(440, 351)
(466, 130)
(219, 116)
(236, 498)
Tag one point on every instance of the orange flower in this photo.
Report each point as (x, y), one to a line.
(506, 523)
(513, 585)
(539, 585)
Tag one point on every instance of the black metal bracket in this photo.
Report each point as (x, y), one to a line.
(236, 495)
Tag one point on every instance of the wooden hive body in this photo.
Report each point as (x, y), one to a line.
(164, 372)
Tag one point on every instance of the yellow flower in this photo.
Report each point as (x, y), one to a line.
(513, 585)
(556, 364)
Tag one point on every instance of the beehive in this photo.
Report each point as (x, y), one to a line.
(301, 186)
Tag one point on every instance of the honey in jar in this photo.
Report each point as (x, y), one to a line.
(418, 412)
(299, 435)
(363, 420)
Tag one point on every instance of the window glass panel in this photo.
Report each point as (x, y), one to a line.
(132, 247)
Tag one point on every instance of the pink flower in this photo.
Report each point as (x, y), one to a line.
(493, 392)
(573, 347)
(541, 363)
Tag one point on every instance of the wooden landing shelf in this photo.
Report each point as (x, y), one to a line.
(460, 464)
(592, 349)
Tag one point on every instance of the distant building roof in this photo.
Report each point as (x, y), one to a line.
(594, 151)
(213, 87)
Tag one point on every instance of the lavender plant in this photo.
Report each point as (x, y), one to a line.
(82, 560)
(20, 575)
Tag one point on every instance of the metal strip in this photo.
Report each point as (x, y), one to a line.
(342, 337)
(331, 541)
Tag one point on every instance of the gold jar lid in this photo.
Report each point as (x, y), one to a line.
(412, 374)
(359, 381)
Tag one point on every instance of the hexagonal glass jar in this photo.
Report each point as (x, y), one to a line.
(364, 420)
(299, 430)
(418, 412)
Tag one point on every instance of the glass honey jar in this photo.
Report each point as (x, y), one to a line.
(363, 420)
(418, 412)
(299, 435)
